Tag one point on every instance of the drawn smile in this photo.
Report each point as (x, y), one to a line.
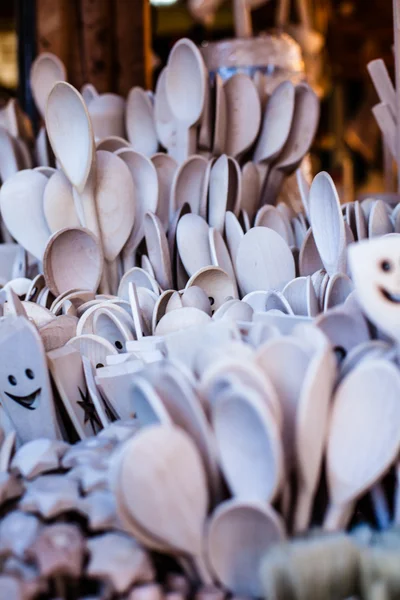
(26, 401)
(391, 297)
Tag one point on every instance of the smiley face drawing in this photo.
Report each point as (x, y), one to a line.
(25, 390)
(375, 270)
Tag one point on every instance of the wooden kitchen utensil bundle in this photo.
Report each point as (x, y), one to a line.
(226, 372)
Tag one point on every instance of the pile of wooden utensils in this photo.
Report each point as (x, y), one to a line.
(230, 391)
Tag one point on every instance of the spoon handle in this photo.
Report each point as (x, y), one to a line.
(303, 509)
(185, 143)
(242, 19)
(381, 508)
(202, 570)
(272, 186)
(337, 516)
(397, 496)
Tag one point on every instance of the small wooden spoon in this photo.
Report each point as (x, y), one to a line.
(166, 456)
(298, 143)
(249, 444)
(157, 248)
(188, 183)
(185, 89)
(360, 451)
(327, 223)
(239, 534)
(241, 98)
(139, 122)
(21, 203)
(277, 121)
(46, 70)
(192, 236)
(166, 168)
(145, 182)
(264, 261)
(164, 119)
(72, 259)
(58, 203)
(217, 284)
(220, 117)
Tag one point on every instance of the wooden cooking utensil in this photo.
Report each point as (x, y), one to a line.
(312, 418)
(72, 259)
(166, 168)
(139, 122)
(220, 116)
(249, 443)
(192, 234)
(157, 249)
(115, 201)
(241, 98)
(217, 284)
(373, 266)
(324, 209)
(166, 456)
(185, 410)
(26, 394)
(188, 183)
(361, 450)
(145, 182)
(112, 143)
(71, 136)
(185, 89)
(22, 196)
(302, 133)
(263, 261)
(58, 203)
(250, 194)
(46, 70)
(238, 536)
(277, 121)
(164, 119)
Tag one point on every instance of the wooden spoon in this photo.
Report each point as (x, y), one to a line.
(220, 117)
(145, 182)
(239, 534)
(107, 115)
(58, 203)
(164, 119)
(166, 168)
(250, 196)
(71, 136)
(72, 259)
(139, 122)
(249, 444)
(46, 70)
(22, 196)
(166, 456)
(324, 208)
(264, 261)
(277, 121)
(157, 248)
(185, 90)
(218, 193)
(192, 233)
(302, 132)
(217, 284)
(360, 451)
(241, 98)
(188, 183)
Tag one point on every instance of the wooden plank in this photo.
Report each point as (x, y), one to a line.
(97, 43)
(132, 44)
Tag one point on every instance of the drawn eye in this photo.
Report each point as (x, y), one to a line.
(99, 366)
(386, 266)
(30, 374)
(12, 380)
(118, 345)
(211, 299)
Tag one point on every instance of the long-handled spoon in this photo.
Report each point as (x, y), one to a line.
(185, 88)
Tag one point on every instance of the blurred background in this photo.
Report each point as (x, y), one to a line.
(116, 44)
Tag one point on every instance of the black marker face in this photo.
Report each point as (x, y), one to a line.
(25, 401)
(28, 400)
